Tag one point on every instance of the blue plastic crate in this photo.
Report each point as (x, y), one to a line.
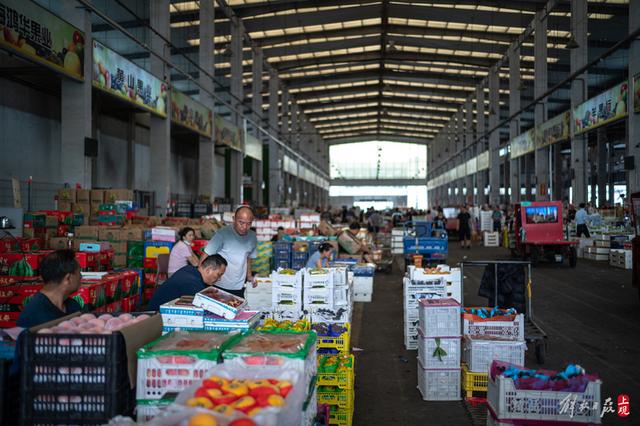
(282, 254)
(299, 256)
(281, 245)
(281, 264)
(367, 270)
(298, 264)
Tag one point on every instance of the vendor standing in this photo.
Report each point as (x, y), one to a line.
(237, 244)
(60, 272)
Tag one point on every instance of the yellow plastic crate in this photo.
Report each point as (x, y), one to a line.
(341, 343)
(343, 399)
(342, 380)
(341, 417)
(473, 382)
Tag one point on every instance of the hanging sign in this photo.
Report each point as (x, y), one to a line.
(33, 32)
(483, 161)
(122, 78)
(522, 144)
(228, 134)
(253, 147)
(607, 107)
(191, 114)
(553, 131)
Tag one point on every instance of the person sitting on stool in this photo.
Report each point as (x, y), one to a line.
(581, 222)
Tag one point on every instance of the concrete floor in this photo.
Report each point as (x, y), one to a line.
(591, 315)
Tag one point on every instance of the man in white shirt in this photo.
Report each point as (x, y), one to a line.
(237, 244)
(581, 222)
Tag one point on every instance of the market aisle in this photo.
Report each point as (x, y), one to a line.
(591, 314)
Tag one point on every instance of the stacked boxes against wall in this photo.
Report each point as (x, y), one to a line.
(439, 349)
(309, 221)
(266, 229)
(488, 335)
(397, 244)
(432, 283)
(286, 295)
(261, 265)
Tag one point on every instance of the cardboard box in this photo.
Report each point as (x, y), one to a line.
(83, 208)
(120, 261)
(327, 229)
(119, 247)
(65, 206)
(52, 221)
(83, 196)
(67, 195)
(57, 243)
(350, 244)
(95, 207)
(113, 195)
(133, 234)
(87, 232)
(110, 234)
(96, 196)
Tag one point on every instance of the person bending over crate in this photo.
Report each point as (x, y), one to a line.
(60, 272)
(189, 280)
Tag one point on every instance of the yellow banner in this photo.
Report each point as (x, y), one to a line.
(191, 114)
(228, 134)
(607, 107)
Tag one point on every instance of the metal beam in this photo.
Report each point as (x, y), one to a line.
(361, 110)
(377, 182)
(423, 104)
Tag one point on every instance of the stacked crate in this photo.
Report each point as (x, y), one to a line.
(420, 284)
(363, 275)
(439, 349)
(281, 254)
(318, 290)
(259, 298)
(500, 338)
(286, 294)
(261, 265)
(397, 244)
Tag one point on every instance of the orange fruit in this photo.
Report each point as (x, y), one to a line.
(202, 419)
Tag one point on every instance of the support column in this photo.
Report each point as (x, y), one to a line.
(602, 175)
(481, 144)
(235, 173)
(468, 144)
(514, 124)
(633, 126)
(160, 128)
(206, 153)
(256, 106)
(75, 116)
(579, 57)
(559, 173)
(285, 136)
(540, 86)
(276, 175)
(494, 137)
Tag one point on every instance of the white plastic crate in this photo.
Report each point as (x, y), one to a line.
(491, 239)
(285, 295)
(318, 280)
(439, 317)
(341, 296)
(363, 284)
(439, 385)
(428, 345)
(479, 353)
(339, 276)
(167, 374)
(411, 342)
(486, 221)
(511, 404)
(285, 280)
(147, 410)
(619, 258)
(503, 330)
(318, 297)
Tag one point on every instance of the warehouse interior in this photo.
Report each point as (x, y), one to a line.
(375, 104)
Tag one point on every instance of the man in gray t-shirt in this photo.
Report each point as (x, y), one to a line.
(237, 244)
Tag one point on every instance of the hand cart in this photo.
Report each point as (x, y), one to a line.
(533, 334)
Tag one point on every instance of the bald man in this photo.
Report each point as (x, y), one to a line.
(237, 244)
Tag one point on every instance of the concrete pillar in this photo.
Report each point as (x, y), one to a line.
(76, 116)
(514, 124)
(602, 176)
(540, 86)
(237, 95)
(284, 116)
(559, 173)
(256, 106)
(276, 175)
(206, 153)
(160, 128)
(633, 126)
(494, 137)
(578, 58)
(481, 144)
(469, 152)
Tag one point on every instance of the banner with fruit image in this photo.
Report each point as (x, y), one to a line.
(191, 114)
(122, 78)
(522, 144)
(553, 131)
(228, 134)
(37, 34)
(607, 107)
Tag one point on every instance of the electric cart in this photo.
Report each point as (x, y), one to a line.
(539, 235)
(534, 335)
(427, 239)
